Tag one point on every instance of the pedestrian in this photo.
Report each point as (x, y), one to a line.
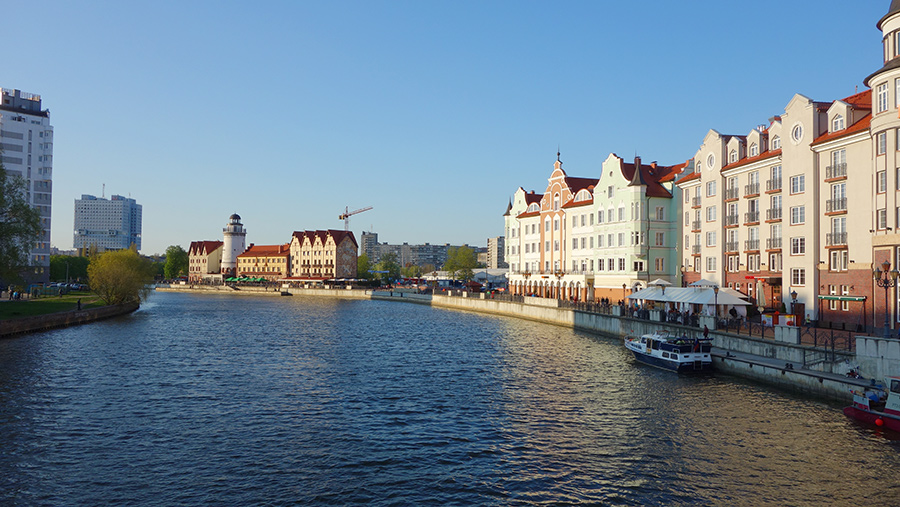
(705, 332)
(79, 305)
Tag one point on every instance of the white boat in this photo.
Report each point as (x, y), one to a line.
(670, 352)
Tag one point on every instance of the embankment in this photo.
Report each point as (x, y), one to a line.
(63, 319)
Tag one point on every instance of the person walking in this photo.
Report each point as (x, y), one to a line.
(705, 332)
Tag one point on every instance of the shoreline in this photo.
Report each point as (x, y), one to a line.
(26, 325)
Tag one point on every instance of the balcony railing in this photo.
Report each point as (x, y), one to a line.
(695, 202)
(732, 193)
(695, 249)
(836, 171)
(751, 244)
(773, 185)
(732, 220)
(695, 225)
(732, 246)
(834, 205)
(773, 243)
(773, 214)
(751, 189)
(836, 239)
(751, 217)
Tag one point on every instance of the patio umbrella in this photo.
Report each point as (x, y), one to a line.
(657, 282)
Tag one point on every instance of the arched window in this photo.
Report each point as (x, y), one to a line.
(732, 157)
(754, 150)
(837, 123)
(555, 202)
(776, 143)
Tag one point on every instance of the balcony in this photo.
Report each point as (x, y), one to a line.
(836, 171)
(732, 193)
(836, 205)
(695, 250)
(695, 225)
(836, 239)
(732, 246)
(751, 217)
(773, 185)
(773, 214)
(751, 189)
(773, 244)
(732, 220)
(695, 202)
(751, 244)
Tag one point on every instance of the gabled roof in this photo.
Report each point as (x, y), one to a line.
(204, 247)
(648, 176)
(267, 251)
(578, 184)
(861, 100)
(860, 126)
(338, 235)
(674, 171)
(749, 160)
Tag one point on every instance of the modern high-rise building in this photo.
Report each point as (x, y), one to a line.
(26, 142)
(107, 224)
(496, 251)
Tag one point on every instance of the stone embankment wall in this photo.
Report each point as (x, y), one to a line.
(63, 319)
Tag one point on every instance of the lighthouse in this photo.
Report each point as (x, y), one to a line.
(235, 244)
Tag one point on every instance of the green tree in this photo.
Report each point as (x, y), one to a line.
(388, 263)
(363, 267)
(75, 266)
(120, 276)
(176, 262)
(20, 226)
(411, 271)
(460, 263)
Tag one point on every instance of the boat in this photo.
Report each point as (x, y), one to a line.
(670, 352)
(877, 405)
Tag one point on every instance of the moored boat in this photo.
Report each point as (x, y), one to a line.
(671, 352)
(878, 405)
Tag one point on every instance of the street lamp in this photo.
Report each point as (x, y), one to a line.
(886, 279)
(794, 303)
(716, 294)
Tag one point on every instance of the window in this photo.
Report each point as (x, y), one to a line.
(638, 265)
(556, 202)
(687, 193)
(687, 218)
(547, 225)
(775, 262)
(660, 264)
(711, 214)
(660, 213)
(838, 260)
(600, 241)
(710, 264)
(547, 246)
(881, 181)
(732, 156)
(574, 243)
(555, 224)
(798, 276)
(753, 263)
(797, 133)
(610, 240)
(609, 191)
(710, 188)
(881, 143)
(881, 218)
(845, 305)
(600, 217)
(754, 150)
(621, 264)
(798, 184)
(838, 122)
(599, 264)
(621, 213)
(798, 215)
(881, 93)
(660, 239)
(611, 265)
(711, 238)
(776, 143)
(798, 246)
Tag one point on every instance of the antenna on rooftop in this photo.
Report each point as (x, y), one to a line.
(103, 194)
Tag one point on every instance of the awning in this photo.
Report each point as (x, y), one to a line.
(842, 298)
(691, 295)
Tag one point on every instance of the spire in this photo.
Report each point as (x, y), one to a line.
(637, 179)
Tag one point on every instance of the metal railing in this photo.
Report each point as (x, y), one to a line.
(835, 238)
(751, 217)
(751, 189)
(773, 184)
(731, 246)
(773, 243)
(751, 244)
(732, 220)
(836, 171)
(774, 213)
(833, 205)
(695, 225)
(732, 193)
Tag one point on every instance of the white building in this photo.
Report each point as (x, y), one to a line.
(26, 141)
(107, 224)
(235, 244)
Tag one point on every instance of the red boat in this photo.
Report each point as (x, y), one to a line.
(880, 407)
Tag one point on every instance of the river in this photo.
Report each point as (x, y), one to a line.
(217, 400)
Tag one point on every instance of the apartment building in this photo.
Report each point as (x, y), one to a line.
(593, 238)
(107, 224)
(323, 255)
(26, 143)
(271, 262)
(205, 261)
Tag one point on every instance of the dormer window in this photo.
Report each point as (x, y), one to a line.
(837, 123)
(754, 150)
(732, 157)
(776, 143)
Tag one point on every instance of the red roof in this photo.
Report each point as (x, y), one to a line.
(749, 160)
(337, 234)
(203, 247)
(673, 171)
(650, 174)
(861, 100)
(267, 251)
(859, 126)
(689, 177)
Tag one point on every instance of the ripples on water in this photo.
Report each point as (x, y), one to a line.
(297, 401)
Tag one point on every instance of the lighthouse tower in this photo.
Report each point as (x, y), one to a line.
(235, 244)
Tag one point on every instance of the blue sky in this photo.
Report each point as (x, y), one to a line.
(432, 112)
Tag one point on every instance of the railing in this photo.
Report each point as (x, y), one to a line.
(731, 246)
(695, 202)
(773, 213)
(695, 249)
(836, 171)
(732, 193)
(751, 244)
(695, 225)
(834, 205)
(751, 217)
(751, 189)
(773, 184)
(732, 220)
(835, 238)
(773, 243)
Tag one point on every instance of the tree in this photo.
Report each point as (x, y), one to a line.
(176, 262)
(389, 264)
(20, 225)
(120, 276)
(460, 262)
(363, 267)
(75, 267)
(411, 271)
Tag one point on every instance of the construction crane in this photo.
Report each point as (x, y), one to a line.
(345, 216)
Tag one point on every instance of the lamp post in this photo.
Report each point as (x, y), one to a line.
(716, 294)
(793, 303)
(623, 292)
(886, 279)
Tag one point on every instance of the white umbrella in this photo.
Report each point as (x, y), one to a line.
(658, 281)
(703, 283)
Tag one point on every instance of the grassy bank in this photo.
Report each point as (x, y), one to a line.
(47, 305)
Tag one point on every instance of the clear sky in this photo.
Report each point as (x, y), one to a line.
(432, 112)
